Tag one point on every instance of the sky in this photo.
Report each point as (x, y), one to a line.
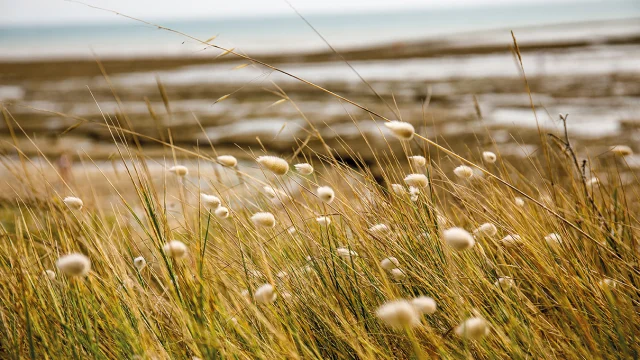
(47, 12)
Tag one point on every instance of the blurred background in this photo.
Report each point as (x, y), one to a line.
(447, 67)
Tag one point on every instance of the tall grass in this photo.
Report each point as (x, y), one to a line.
(574, 299)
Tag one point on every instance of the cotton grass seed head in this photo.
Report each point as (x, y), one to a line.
(398, 189)
(346, 253)
(270, 192)
(474, 328)
(323, 221)
(274, 164)
(489, 157)
(139, 262)
(179, 170)
(397, 274)
(553, 239)
(463, 172)
(304, 169)
(401, 130)
(265, 294)
(50, 274)
(175, 249)
(417, 180)
(264, 219)
(424, 305)
(458, 238)
(511, 240)
(418, 161)
(222, 212)
(414, 193)
(326, 194)
(486, 229)
(607, 283)
(389, 263)
(519, 201)
(73, 203)
(379, 229)
(74, 264)
(209, 201)
(505, 283)
(621, 150)
(227, 160)
(398, 314)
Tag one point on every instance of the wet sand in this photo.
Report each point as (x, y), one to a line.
(470, 91)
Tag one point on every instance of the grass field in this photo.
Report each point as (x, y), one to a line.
(534, 258)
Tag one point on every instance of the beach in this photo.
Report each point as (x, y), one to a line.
(468, 86)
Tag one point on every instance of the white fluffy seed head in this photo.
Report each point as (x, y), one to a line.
(139, 262)
(607, 283)
(424, 305)
(304, 169)
(398, 314)
(209, 201)
(418, 161)
(486, 229)
(389, 263)
(179, 170)
(264, 219)
(489, 157)
(245, 294)
(270, 192)
(326, 194)
(463, 172)
(621, 150)
(73, 202)
(74, 264)
(417, 180)
(274, 164)
(227, 160)
(401, 130)
(474, 328)
(458, 238)
(414, 193)
(511, 240)
(594, 181)
(519, 201)
(379, 229)
(323, 220)
(175, 249)
(397, 274)
(553, 239)
(222, 212)
(398, 189)
(50, 274)
(265, 294)
(346, 253)
(505, 283)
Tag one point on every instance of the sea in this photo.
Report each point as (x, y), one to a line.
(290, 33)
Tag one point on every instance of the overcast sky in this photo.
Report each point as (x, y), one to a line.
(43, 12)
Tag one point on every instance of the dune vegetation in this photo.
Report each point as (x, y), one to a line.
(307, 255)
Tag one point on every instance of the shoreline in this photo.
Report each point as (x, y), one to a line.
(12, 70)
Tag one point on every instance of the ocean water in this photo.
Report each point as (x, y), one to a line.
(291, 34)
